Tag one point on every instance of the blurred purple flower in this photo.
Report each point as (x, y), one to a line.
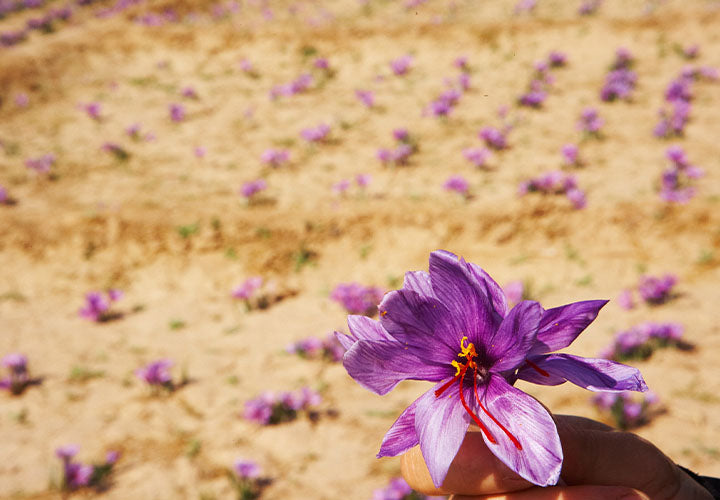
(189, 92)
(248, 288)
(177, 112)
(656, 290)
(367, 97)
(156, 373)
(401, 65)
(97, 307)
(357, 298)
(271, 409)
(458, 184)
(590, 122)
(577, 198)
(341, 186)
(514, 292)
(246, 469)
(316, 134)
(22, 100)
(363, 180)
(251, 188)
(625, 299)
(557, 59)
(494, 138)
(570, 153)
(626, 410)
(275, 157)
(41, 164)
(93, 110)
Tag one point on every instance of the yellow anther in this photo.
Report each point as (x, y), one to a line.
(467, 351)
(457, 366)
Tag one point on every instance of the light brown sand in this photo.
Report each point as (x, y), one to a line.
(105, 223)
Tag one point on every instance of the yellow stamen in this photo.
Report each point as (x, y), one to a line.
(468, 351)
(457, 366)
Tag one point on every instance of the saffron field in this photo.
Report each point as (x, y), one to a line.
(195, 195)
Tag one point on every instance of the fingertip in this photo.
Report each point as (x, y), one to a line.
(564, 493)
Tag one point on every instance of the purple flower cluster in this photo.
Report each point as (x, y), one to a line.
(156, 374)
(555, 182)
(457, 184)
(620, 80)
(300, 85)
(590, 122)
(41, 164)
(447, 100)
(42, 23)
(77, 475)
(678, 96)
(246, 479)
(477, 156)
(275, 157)
(18, 375)
(675, 182)
(357, 298)
(328, 348)
(657, 289)
(177, 112)
(249, 189)
(367, 97)
(641, 340)
(401, 66)
(628, 410)
(274, 408)
(542, 80)
(405, 148)
(589, 7)
(247, 289)
(316, 134)
(97, 306)
(398, 489)
(495, 138)
(571, 155)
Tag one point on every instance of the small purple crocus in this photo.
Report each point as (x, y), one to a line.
(557, 59)
(401, 65)
(590, 122)
(363, 180)
(4, 197)
(75, 474)
(457, 184)
(341, 186)
(246, 469)
(251, 188)
(494, 138)
(156, 373)
(570, 153)
(577, 198)
(357, 298)
(248, 288)
(93, 110)
(316, 134)
(477, 156)
(41, 164)
(532, 98)
(275, 157)
(19, 376)
(452, 326)
(97, 307)
(200, 151)
(189, 92)
(625, 300)
(657, 290)
(367, 97)
(177, 112)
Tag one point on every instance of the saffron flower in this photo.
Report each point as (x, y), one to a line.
(571, 155)
(246, 479)
(458, 184)
(494, 138)
(275, 157)
(177, 112)
(367, 97)
(640, 341)
(19, 376)
(626, 410)
(341, 186)
(41, 164)
(401, 65)
(590, 122)
(247, 290)
(97, 307)
(275, 408)
(363, 180)
(249, 189)
(357, 298)
(93, 110)
(452, 326)
(657, 290)
(316, 134)
(313, 348)
(477, 156)
(77, 475)
(4, 197)
(157, 374)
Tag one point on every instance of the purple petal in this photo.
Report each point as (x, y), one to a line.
(380, 365)
(560, 326)
(540, 459)
(440, 424)
(364, 328)
(422, 324)
(516, 335)
(590, 373)
(401, 436)
(467, 299)
(495, 291)
(419, 282)
(346, 341)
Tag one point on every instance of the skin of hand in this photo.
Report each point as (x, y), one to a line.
(599, 463)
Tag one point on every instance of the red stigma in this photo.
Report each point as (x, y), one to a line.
(468, 352)
(537, 368)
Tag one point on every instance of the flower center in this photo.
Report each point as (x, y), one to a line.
(461, 368)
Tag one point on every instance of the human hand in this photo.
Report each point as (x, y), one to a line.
(600, 463)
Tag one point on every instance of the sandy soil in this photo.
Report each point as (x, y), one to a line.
(98, 222)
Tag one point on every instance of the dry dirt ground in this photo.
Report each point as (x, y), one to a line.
(170, 230)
